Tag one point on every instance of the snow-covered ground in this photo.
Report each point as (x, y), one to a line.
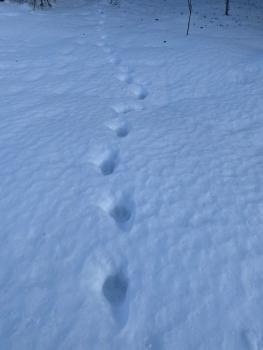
(131, 164)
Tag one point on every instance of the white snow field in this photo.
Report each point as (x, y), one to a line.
(131, 168)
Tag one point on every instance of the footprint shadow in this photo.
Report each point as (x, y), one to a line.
(109, 164)
(122, 212)
(115, 291)
(121, 209)
(106, 160)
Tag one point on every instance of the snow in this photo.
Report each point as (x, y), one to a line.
(131, 193)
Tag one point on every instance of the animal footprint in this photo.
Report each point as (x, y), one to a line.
(121, 209)
(121, 213)
(138, 91)
(120, 127)
(109, 162)
(106, 160)
(115, 289)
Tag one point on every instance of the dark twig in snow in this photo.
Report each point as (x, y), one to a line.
(190, 15)
(227, 8)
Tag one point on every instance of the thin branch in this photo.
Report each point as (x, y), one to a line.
(227, 8)
(190, 15)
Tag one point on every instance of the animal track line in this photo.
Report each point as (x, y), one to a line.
(119, 206)
(115, 289)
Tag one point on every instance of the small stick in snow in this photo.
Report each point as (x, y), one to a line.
(227, 8)
(190, 15)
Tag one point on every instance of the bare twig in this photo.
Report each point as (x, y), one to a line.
(227, 8)
(190, 15)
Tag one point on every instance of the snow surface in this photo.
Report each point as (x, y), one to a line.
(131, 195)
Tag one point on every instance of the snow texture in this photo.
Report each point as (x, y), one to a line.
(131, 194)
